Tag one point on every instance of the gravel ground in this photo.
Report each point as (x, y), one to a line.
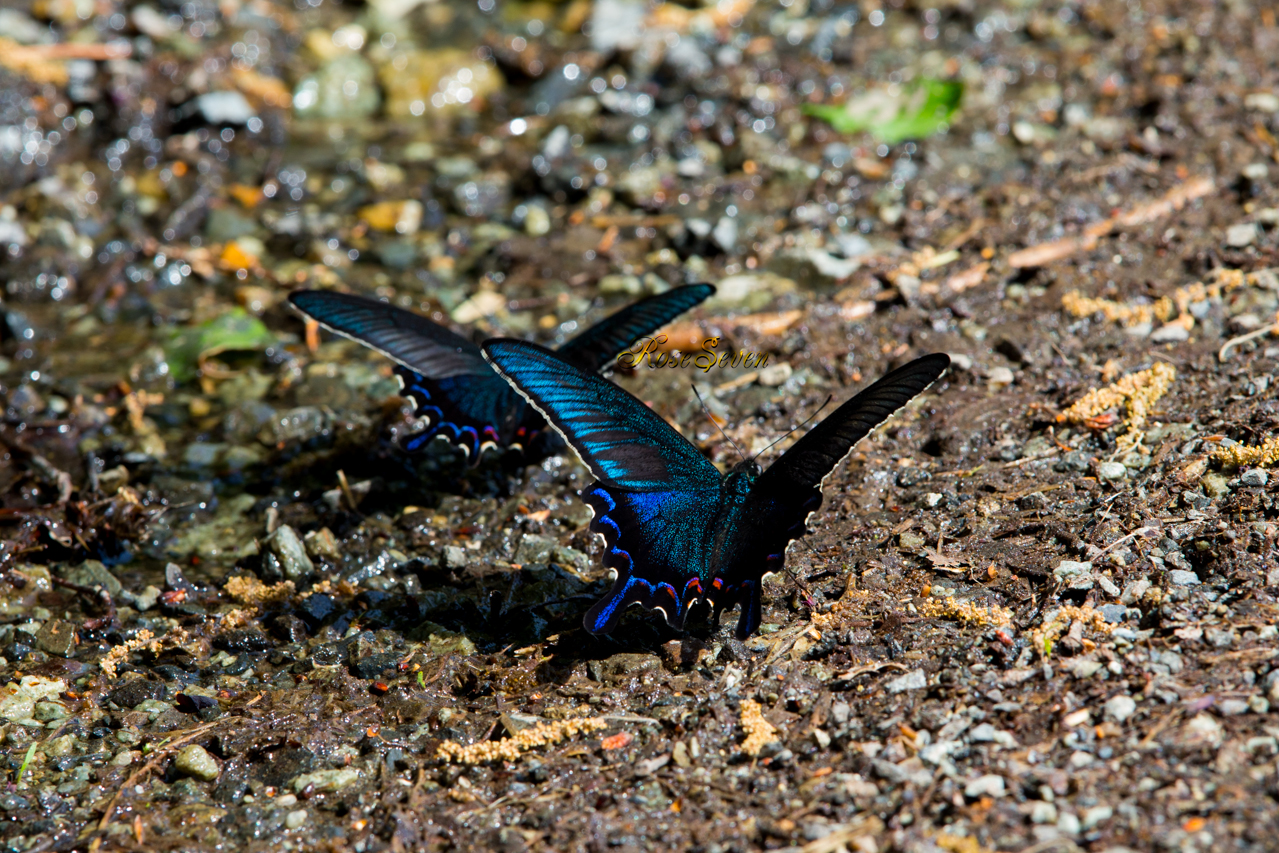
(1036, 611)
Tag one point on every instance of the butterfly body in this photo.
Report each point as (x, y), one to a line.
(675, 529)
(456, 395)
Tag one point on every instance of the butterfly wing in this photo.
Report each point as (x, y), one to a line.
(623, 442)
(453, 389)
(409, 339)
(780, 501)
(657, 498)
(599, 344)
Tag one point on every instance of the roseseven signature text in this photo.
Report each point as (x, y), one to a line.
(703, 360)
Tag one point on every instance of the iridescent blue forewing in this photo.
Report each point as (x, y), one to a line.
(657, 498)
(454, 391)
(456, 394)
(623, 442)
(408, 339)
(783, 497)
(598, 345)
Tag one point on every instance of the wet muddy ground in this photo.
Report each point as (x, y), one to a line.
(1036, 611)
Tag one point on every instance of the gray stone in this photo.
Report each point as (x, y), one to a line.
(911, 540)
(1073, 571)
(1181, 577)
(229, 107)
(47, 712)
(1107, 584)
(1241, 234)
(1000, 377)
(1172, 333)
(537, 221)
(343, 88)
(288, 548)
(202, 454)
(775, 374)
(1215, 485)
(1232, 707)
(322, 545)
(1119, 708)
(56, 637)
(1041, 812)
(225, 223)
(617, 24)
(194, 760)
(148, 598)
(1068, 824)
(1112, 471)
(913, 680)
(327, 781)
(454, 557)
(23, 29)
(1220, 638)
(989, 785)
(93, 573)
(1113, 613)
(1254, 477)
(725, 233)
(1135, 590)
(1081, 668)
(534, 550)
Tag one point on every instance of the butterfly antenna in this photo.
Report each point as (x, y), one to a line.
(717, 426)
(797, 426)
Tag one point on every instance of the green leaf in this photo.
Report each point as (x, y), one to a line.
(236, 330)
(922, 109)
(31, 753)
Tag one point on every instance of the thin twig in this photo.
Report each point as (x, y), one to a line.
(1243, 339)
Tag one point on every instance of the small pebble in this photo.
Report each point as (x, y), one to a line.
(227, 107)
(1181, 577)
(1172, 333)
(327, 781)
(913, 680)
(999, 377)
(1041, 812)
(1215, 485)
(1120, 708)
(1232, 707)
(1241, 234)
(985, 786)
(295, 819)
(1070, 569)
(194, 760)
(537, 221)
(1097, 815)
(1068, 824)
(1254, 477)
(775, 374)
(1113, 613)
(1112, 471)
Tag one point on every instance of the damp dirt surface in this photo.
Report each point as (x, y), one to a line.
(234, 615)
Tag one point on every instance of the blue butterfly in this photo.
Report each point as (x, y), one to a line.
(675, 529)
(453, 388)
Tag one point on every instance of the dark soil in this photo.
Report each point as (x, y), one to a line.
(1009, 629)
